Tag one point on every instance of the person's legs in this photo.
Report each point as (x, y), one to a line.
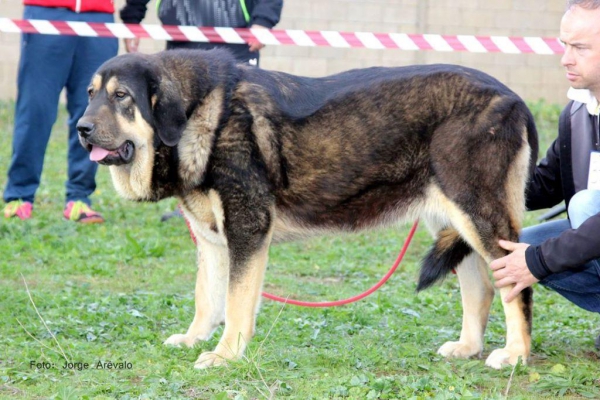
(582, 206)
(538, 233)
(581, 286)
(90, 53)
(43, 69)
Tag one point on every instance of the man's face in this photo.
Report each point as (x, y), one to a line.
(580, 33)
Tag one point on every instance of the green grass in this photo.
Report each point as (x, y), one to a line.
(114, 292)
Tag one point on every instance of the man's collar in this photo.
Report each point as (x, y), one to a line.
(586, 97)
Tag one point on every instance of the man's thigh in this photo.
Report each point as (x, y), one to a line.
(539, 233)
(581, 286)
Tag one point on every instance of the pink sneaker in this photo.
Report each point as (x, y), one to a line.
(78, 211)
(18, 208)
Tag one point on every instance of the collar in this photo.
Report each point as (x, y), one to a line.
(585, 96)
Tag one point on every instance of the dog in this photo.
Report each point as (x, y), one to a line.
(255, 157)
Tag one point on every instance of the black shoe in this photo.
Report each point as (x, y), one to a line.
(169, 215)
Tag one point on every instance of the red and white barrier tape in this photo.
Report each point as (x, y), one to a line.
(448, 43)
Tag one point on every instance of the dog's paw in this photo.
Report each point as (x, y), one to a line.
(459, 350)
(178, 339)
(209, 359)
(503, 357)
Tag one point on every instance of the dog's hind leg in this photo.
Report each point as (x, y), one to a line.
(518, 330)
(518, 312)
(483, 236)
(477, 294)
(485, 202)
(210, 293)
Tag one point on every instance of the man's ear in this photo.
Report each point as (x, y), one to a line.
(170, 119)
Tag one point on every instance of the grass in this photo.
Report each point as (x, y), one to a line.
(113, 293)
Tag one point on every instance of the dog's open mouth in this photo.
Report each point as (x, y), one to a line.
(119, 156)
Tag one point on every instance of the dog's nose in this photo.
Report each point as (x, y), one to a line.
(85, 128)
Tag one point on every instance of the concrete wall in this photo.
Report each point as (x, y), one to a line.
(532, 76)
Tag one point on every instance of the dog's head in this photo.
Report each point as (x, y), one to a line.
(133, 109)
(130, 101)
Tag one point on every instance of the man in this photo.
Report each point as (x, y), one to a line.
(565, 255)
(48, 64)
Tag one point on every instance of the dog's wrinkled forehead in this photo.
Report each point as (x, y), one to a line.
(96, 82)
(130, 70)
(106, 82)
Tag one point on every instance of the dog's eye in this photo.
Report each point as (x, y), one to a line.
(120, 94)
(90, 92)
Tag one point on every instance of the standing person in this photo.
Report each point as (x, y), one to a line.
(49, 63)
(564, 255)
(220, 13)
(259, 14)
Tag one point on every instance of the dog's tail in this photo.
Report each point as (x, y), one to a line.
(447, 252)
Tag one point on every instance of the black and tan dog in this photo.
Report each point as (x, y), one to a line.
(256, 156)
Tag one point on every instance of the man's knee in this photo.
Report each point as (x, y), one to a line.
(583, 205)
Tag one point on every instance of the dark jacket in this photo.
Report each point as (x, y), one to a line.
(554, 181)
(221, 13)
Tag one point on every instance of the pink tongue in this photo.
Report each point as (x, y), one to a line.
(98, 153)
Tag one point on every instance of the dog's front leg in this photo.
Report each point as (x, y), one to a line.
(243, 300)
(210, 292)
(248, 226)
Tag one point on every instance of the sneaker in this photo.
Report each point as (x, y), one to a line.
(78, 211)
(18, 208)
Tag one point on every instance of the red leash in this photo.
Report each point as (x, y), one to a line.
(350, 299)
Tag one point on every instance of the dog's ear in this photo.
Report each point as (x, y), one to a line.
(169, 114)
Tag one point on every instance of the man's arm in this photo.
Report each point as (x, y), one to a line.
(526, 265)
(133, 12)
(265, 15)
(570, 250)
(544, 189)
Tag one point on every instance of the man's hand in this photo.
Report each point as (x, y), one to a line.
(254, 45)
(131, 45)
(512, 269)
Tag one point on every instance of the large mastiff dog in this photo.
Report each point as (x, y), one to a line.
(257, 156)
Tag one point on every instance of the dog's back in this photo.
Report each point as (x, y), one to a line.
(364, 147)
